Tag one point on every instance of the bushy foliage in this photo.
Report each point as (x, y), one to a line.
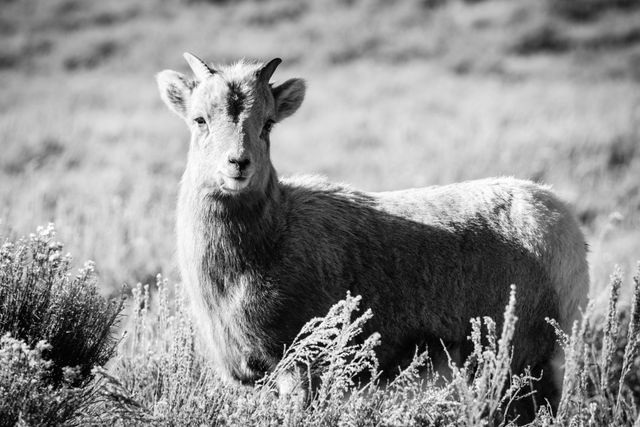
(54, 329)
(26, 395)
(41, 301)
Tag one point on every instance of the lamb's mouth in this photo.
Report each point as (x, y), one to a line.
(234, 185)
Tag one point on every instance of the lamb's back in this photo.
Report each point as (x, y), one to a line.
(428, 259)
(527, 214)
(512, 207)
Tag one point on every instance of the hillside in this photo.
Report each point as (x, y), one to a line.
(400, 95)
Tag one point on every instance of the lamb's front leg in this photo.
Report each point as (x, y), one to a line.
(297, 384)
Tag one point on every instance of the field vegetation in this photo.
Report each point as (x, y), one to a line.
(158, 377)
(401, 94)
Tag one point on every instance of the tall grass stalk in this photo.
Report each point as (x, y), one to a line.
(611, 331)
(630, 352)
(599, 363)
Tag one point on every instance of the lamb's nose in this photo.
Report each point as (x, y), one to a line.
(240, 163)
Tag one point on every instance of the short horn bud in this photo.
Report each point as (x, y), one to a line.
(201, 70)
(265, 73)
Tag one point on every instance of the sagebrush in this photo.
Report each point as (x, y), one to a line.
(54, 328)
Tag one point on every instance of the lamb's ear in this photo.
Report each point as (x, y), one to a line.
(175, 91)
(289, 95)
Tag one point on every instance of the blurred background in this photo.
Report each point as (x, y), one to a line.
(400, 94)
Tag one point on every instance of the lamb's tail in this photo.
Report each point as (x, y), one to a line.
(571, 271)
(572, 282)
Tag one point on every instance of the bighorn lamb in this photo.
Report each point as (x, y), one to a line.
(261, 256)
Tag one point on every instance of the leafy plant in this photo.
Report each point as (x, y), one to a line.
(54, 329)
(41, 301)
(26, 395)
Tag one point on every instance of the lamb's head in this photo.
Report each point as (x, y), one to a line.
(230, 111)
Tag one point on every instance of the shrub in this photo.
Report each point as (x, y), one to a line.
(26, 397)
(41, 301)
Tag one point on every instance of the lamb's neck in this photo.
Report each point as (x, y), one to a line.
(240, 233)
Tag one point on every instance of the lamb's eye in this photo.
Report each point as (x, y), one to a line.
(200, 121)
(267, 126)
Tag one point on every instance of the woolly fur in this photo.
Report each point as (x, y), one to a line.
(260, 264)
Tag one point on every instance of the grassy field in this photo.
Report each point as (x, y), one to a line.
(400, 94)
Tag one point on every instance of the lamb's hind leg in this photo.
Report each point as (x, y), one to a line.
(296, 384)
(536, 348)
(540, 391)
